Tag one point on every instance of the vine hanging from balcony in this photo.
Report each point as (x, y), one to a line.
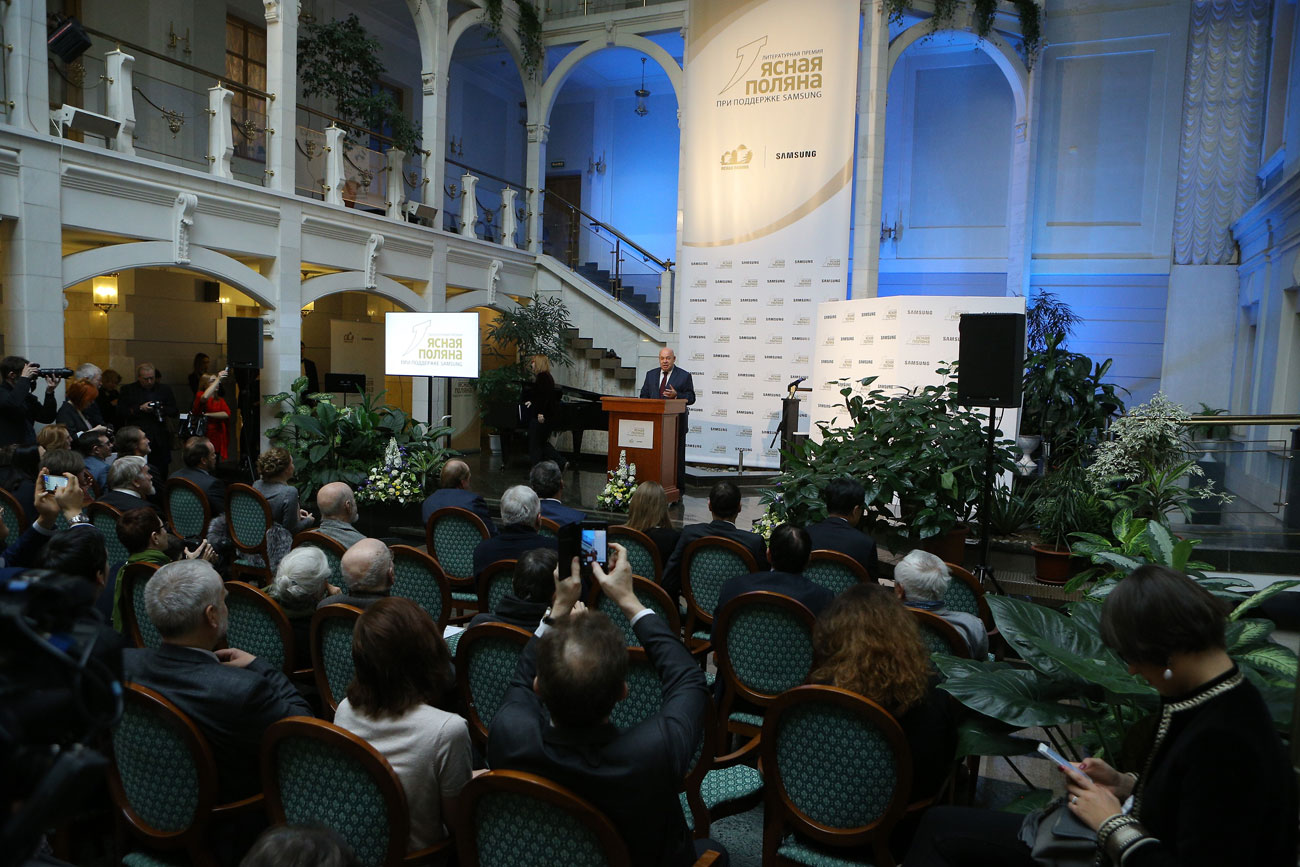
(1028, 11)
(529, 30)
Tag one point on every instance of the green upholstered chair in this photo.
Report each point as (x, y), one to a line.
(331, 651)
(652, 596)
(15, 516)
(139, 629)
(453, 641)
(451, 535)
(514, 819)
(706, 565)
(940, 636)
(838, 773)
(417, 576)
(835, 571)
(248, 518)
(259, 625)
(496, 580)
(548, 528)
(105, 519)
(332, 549)
(644, 691)
(642, 553)
(718, 786)
(187, 510)
(163, 779)
(763, 643)
(486, 657)
(315, 773)
(966, 593)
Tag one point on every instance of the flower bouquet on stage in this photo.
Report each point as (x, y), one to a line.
(619, 488)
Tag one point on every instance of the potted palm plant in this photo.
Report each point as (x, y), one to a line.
(1067, 503)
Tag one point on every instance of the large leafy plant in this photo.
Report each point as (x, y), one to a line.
(1066, 400)
(519, 333)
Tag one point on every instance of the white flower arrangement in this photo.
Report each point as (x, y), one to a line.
(765, 523)
(617, 495)
(391, 481)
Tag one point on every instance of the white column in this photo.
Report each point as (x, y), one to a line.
(395, 195)
(32, 313)
(282, 83)
(334, 165)
(25, 66)
(535, 179)
(1020, 224)
(221, 137)
(509, 220)
(120, 98)
(873, 90)
(468, 204)
(433, 106)
(281, 355)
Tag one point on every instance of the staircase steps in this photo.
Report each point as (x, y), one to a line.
(605, 360)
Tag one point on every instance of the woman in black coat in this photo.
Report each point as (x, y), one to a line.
(541, 407)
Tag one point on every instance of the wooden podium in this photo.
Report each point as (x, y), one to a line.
(647, 429)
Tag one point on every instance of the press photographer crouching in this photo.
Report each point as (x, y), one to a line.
(19, 408)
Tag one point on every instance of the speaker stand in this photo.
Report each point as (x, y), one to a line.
(984, 570)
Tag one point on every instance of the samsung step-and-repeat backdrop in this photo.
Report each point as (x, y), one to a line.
(768, 166)
(900, 339)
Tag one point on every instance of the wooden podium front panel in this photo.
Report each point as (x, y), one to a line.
(655, 453)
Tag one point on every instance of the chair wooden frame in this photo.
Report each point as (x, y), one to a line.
(547, 526)
(327, 612)
(701, 816)
(13, 507)
(644, 587)
(381, 772)
(624, 531)
(234, 491)
(330, 546)
(247, 592)
(956, 641)
(965, 576)
(178, 483)
(191, 839)
(533, 786)
(131, 574)
(457, 582)
(779, 810)
(696, 616)
(444, 588)
(486, 577)
(478, 729)
(839, 558)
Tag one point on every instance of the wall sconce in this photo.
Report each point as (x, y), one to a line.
(455, 146)
(224, 299)
(103, 290)
(596, 166)
(308, 309)
(641, 94)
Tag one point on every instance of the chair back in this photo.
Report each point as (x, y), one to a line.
(15, 516)
(187, 509)
(259, 625)
(139, 628)
(644, 691)
(642, 553)
(835, 570)
(248, 517)
(332, 549)
(764, 647)
(706, 565)
(163, 777)
(315, 773)
(417, 576)
(451, 535)
(514, 819)
(940, 636)
(652, 596)
(966, 593)
(838, 770)
(486, 657)
(105, 519)
(548, 528)
(496, 580)
(331, 650)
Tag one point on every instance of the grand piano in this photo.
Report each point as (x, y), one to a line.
(579, 411)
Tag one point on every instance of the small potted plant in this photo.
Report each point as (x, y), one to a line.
(1067, 503)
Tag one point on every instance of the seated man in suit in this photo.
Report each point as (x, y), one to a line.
(521, 516)
(547, 480)
(788, 551)
(453, 490)
(921, 579)
(338, 513)
(724, 505)
(554, 719)
(230, 695)
(94, 448)
(530, 596)
(368, 573)
(200, 460)
(130, 485)
(839, 531)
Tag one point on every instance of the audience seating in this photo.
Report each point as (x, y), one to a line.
(642, 553)
(259, 625)
(838, 772)
(652, 596)
(486, 657)
(15, 516)
(644, 691)
(719, 786)
(186, 508)
(137, 626)
(315, 773)
(763, 643)
(835, 571)
(163, 779)
(940, 636)
(706, 565)
(248, 518)
(331, 651)
(332, 549)
(966, 593)
(105, 519)
(451, 534)
(417, 576)
(494, 583)
(548, 528)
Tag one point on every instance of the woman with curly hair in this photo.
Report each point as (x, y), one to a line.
(867, 642)
(275, 466)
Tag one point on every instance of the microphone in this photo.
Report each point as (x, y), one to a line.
(792, 386)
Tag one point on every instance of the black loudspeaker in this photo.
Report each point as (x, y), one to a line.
(244, 342)
(990, 359)
(211, 290)
(68, 41)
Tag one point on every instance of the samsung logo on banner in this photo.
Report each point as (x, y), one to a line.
(749, 261)
(748, 337)
(773, 377)
(775, 281)
(721, 318)
(771, 394)
(748, 300)
(802, 300)
(699, 264)
(803, 261)
(746, 375)
(721, 355)
(828, 361)
(916, 363)
(848, 339)
(697, 300)
(889, 337)
(919, 312)
(830, 280)
(722, 393)
(948, 339)
(744, 412)
(796, 155)
(695, 337)
(862, 361)
(717, 429)
(721, 281)
(774, 319)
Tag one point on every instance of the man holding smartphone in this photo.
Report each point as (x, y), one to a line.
(19, 408)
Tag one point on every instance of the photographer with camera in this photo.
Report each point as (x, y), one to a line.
(147, 404)
(19, 408)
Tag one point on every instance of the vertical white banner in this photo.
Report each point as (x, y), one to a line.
(767, 182)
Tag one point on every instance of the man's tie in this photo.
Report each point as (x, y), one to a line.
(663, 383)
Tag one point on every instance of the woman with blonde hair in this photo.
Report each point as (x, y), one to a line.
(540, 407)
(275, 466)
(647, 511)
(54, 437)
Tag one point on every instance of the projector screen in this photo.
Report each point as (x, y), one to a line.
(431, 344)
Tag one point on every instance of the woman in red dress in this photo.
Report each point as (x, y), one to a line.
(211, 404)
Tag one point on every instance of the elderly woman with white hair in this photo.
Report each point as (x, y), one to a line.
(921, 580)
(301, 582)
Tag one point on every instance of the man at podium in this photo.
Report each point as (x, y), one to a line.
(669, 381)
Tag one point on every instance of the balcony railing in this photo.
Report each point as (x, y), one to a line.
(575, 8)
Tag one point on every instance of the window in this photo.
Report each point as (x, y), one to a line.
(246, 65)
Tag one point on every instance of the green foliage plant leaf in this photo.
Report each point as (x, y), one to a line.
(978, 735)
(1262, 596)
(1018, 697)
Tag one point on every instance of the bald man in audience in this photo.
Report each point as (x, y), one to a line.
(338, 513)
(368, 572)
(454, 491)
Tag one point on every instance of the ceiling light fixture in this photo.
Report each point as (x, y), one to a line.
(641, 109)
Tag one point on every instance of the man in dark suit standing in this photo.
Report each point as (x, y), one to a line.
(547, 480)
(724, 505)
(788, 551)
(670, 382)
(230, 695)
(839, 532)
(453, 490)
(200, 460)
(554, 719)
(18, 406)
(147, 404)
(521, 518)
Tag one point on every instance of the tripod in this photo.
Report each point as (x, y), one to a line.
(984, 570)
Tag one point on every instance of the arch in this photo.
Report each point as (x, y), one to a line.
(1002, 54)
(79, 267)
(317, 288)
(508, 38)
(635, 41)
(426, 32)
(463, 302)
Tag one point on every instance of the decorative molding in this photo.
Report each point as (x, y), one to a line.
(538, 132)
(116, 186)
(272, 9)
(243, 212)
(182, 222)
(493, 280)
(413, 248)
(374, 246)
(429, 83)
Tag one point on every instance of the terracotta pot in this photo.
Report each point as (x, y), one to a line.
(949, 547)
(1056, 565)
